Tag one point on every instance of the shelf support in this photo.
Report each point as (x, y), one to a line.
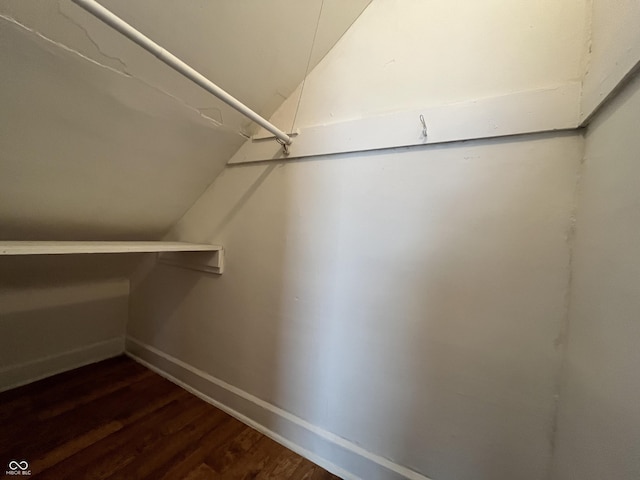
(209, 262)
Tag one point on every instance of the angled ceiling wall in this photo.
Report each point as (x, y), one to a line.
(100, 140)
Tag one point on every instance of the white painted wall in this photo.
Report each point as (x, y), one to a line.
(599, 416)
(90, 153)
(472, 69)
(408, 301)
(408, 54)
(398, 311)
(100, 140)
(615, 49)
(58, 312)
(46, 329)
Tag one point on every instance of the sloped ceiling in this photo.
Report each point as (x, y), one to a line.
(100, 140)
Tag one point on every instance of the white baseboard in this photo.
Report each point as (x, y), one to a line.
(335, 454)
(17, 375)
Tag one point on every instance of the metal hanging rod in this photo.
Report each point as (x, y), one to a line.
(174, 62)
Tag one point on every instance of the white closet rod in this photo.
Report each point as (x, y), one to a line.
(174, 62)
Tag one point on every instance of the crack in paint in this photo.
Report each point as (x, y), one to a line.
(62, 46)
(213, 109)
(90, 38)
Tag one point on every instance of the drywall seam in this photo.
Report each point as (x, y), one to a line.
(563, 336)
(367, 461)
(17, 375)
(215, 123)
(587, 54)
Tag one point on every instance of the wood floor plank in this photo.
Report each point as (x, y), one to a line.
(201, 472)
(104, 457)
(45, 393)
(54, 431)
(184, 412)
(309, 471)
(224, 434)
(304, 471)
(283, 467)
(72, 447)
(260, 457)
(321, 474)
(158, 453)
(118, 420)
(230, 452)
(91, 394)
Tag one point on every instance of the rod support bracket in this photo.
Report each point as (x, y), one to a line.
(285, 146)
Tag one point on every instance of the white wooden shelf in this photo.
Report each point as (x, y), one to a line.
(70, 248)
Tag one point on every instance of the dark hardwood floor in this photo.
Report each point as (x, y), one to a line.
(118, 420)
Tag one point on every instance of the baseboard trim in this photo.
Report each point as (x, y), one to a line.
(337, 455)
(22, 374)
